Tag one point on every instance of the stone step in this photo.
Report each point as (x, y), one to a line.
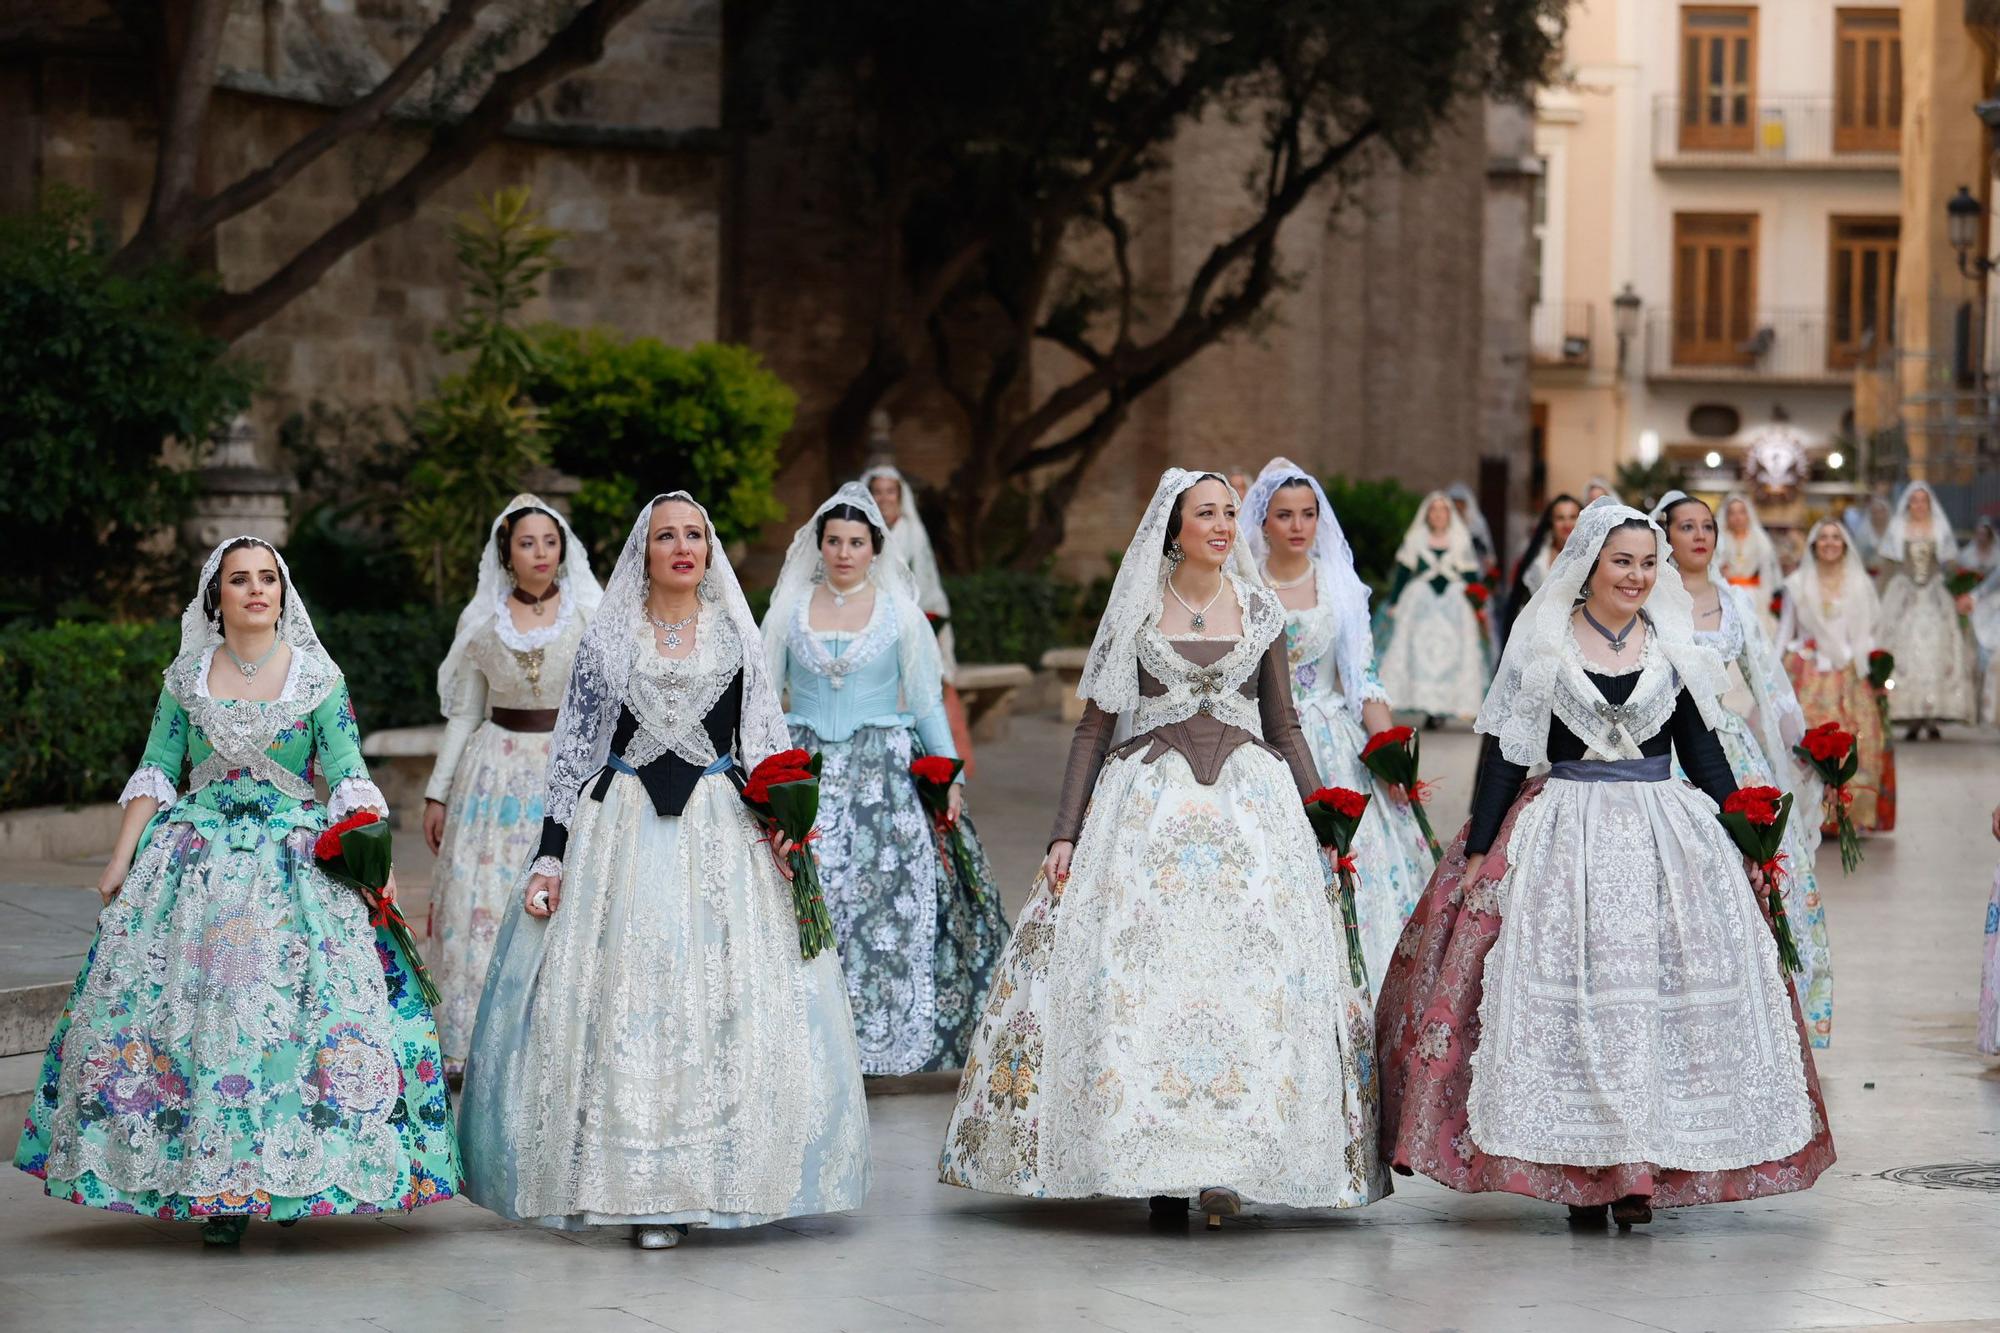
(27, 1015)
(17, 1084)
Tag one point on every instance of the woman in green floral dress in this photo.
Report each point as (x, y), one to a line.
(241, 1042)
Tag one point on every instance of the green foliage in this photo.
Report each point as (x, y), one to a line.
(100, 369)
(637, 417)
(1006, 615)
(76, 699)
(478, 438)
(1642, 484)
(353, 479)
(1374, 515)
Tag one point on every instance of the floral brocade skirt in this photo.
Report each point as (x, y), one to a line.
(1935, 663)
(1444, 1072)
(241, 1043)
(1178, 1014)
(1393, 859)
(1989, 977)
(656, 1052)
(918, 951)
(493, 824)
(1844, 696)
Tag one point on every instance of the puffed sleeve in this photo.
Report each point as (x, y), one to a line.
(159, 772)
(337, 748)
(468, 710)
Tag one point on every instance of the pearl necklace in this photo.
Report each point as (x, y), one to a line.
(1270, 582)
(1199, 620)
(840, 595)
(249, 670)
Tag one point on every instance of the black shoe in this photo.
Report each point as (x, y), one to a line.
(1934, 733)
(1915, 733)
(1587, 1216)
(1634, 1210)
(1167, 1213)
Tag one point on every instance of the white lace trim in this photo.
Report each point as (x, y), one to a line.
(526, 641)
(1615, 731)
(149, 780)
(671, 698)
(1216, 690)
(809, 650)
(355, 793)
(551, 866)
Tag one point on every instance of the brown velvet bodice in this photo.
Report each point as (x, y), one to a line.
(1205, 741)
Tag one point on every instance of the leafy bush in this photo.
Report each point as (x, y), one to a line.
(353, 478)
(76, 699)
(1005, 615)
(1374, 515)
(637, 417)
(99, 368)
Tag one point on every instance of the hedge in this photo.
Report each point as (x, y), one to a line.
(1003, 615)
(76, 699)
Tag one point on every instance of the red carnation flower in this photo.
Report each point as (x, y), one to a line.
(1876, 656)
(1478, 593)
(1757, 804)
(327, 845)
(1350, 804)
(1828, 742)
(793, 758)
(1393, 736)
(934, 768)
(758, 789)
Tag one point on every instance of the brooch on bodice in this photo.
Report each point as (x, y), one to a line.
(531, 667)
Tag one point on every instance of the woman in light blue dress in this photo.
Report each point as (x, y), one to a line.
(1760, 722)
(1286, 519)
(848, 640)
(651, 1051)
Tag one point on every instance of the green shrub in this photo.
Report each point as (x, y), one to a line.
(1005, 615)
(76, 699)
(1374, 515)
(636, 417)
(98, 368)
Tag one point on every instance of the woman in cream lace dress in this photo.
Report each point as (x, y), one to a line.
(1588, 1006)
(1920, 624)
(1174, 1016)
(1300, 553)
(499, 687)
(1747, 559)
(651, 1050)
(1435, 659)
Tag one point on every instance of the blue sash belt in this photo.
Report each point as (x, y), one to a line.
(1648, 768)
(721, 764)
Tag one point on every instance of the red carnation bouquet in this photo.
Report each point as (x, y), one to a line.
(1833, 754)
(934, 774)
(1335, 813)
(937, 622)
(357, 852)
(1392, 756)
(783, 793)
(1881, 669)
(1755, 818)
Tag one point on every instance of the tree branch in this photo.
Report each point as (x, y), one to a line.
(356, 118)
(199, 43)
(453, 147)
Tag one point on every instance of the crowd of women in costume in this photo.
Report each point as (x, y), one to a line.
(1579, 999)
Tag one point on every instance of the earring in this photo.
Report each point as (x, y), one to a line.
(1174, 556)
(819, 570)
(706, 589)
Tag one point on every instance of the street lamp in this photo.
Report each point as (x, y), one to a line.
(1962, 215)
(1625, 321)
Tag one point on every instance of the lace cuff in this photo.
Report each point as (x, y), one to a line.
(547, 865)
(351, 794)
(146, 780)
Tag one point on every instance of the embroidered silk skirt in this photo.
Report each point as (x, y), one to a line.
(1845, 697)
(656, 1051)
(1179, 1014)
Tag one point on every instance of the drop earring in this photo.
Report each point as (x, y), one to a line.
(1174, 556)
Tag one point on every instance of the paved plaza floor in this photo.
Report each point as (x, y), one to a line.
(1904, 1087)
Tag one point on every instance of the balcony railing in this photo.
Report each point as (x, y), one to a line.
(1777, 346)
(1773, 132)
(1561, 333)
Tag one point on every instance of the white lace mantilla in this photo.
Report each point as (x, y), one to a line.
(1608, 730)
(1215, 690)
(243, 730)
(808, 649)
(671, 698)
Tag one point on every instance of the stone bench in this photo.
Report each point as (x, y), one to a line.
(988, 690)
(1064, 667)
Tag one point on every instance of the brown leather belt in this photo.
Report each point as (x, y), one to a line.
(525, 719)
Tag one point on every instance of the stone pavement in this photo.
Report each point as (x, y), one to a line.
(1904, 1086)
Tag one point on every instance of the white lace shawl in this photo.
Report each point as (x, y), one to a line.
(1475, 520)
(1541, 673)
(802, 570)
(1341, 591)
(580, 595)
(1848, 635)
(1416, 546)
(1217, 689)
(1754, 551)
(1779, 721)
(1111, 672)
(911, 541)
(606, 658)
(1898, 534)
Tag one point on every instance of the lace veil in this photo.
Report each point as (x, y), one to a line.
(913, 539)
(610, 647)
(1891, 547)
(1854, 625)
(1111, 672)
(1475, 521)
(1521, 701)
(1416, 543)
(1341, 590)
(199, 633)
(574, 578)
(1756, 548)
